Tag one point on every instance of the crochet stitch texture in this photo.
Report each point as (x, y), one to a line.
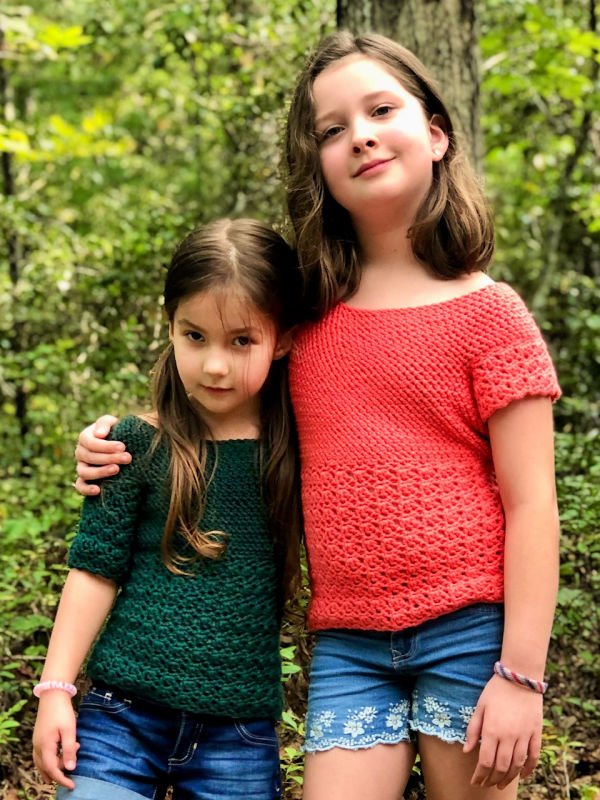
(206, 643)
(402, 514)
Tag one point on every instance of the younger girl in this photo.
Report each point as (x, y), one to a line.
(422, 393)
(186, 671)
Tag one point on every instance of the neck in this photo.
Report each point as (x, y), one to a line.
(385, 245)
(242, 426)
(222, 433)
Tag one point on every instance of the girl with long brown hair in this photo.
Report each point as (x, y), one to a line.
(181, 565)
(427, 451)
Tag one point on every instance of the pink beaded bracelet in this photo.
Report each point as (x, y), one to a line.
(45, 686)
(516, 677)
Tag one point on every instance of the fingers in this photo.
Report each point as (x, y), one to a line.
(69, 752)
(500, 758)
(49, 764)
(485, 762)
(97, 458)
(56, 774)
(499, 764)
(99, 451)
(90, 472)
(103, 425)
(86, 489)
(509, 763)
(473, 731)
(533, 755)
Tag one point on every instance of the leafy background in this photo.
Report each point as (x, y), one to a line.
(124, 124)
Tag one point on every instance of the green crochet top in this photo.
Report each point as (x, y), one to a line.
(206, 643)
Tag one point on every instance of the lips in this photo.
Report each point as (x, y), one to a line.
(368, 165)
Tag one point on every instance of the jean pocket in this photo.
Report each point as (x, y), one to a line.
(257, 731)
(105, 700)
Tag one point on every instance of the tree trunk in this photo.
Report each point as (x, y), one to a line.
(443, 34)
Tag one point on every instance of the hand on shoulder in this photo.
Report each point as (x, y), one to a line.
(97, 457)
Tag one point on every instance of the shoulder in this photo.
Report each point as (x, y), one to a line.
(461, 286)
(508, 310)
(497, 309)
(495, 324)
(136, 432)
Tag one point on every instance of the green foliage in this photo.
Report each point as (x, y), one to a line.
(120, 131)
(540, 99)
(578, 613)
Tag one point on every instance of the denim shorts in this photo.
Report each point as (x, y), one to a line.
(132, 749)
(373, 687)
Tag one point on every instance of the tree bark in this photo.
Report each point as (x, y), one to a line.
(443, 34)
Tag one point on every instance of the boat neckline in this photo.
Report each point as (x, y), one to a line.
(437, 304)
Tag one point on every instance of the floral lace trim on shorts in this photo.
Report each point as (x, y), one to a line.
(362, 727)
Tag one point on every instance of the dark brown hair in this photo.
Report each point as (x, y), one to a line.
(453, 231)
(249, 259)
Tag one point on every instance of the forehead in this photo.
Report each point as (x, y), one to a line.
(224, 308)
(354, 75)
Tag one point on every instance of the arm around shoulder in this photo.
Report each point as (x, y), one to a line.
(97, 456)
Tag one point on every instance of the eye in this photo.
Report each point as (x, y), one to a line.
(333, 130)
(382, 110)
(194, 336)
(242, 341)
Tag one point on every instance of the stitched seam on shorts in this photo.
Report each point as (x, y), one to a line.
(197, 729)
(251, 738)
(399, 658)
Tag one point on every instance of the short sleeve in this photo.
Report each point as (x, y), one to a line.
(106, 531)
(513, 372)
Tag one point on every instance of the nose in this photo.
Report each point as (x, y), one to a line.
(216, 363)
(363, 137)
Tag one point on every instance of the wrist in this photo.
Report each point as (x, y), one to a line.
(45, 687)
(529, 659)
(519, 679)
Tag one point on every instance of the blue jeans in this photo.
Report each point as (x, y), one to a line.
(370, 687)
(133, 749)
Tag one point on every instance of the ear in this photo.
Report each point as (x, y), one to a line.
(438, 137)
(171, 331)
(283, 346)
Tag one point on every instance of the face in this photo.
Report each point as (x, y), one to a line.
(223, 350)
(376, 144)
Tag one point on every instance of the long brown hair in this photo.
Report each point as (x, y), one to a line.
(250, 259)
(453, 230)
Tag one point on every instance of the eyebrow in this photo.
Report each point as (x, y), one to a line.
(186, 323)
(368, 98)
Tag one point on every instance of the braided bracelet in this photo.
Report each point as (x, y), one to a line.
(516, 677)
(45, 686)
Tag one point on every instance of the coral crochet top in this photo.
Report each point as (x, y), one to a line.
(402, 512)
